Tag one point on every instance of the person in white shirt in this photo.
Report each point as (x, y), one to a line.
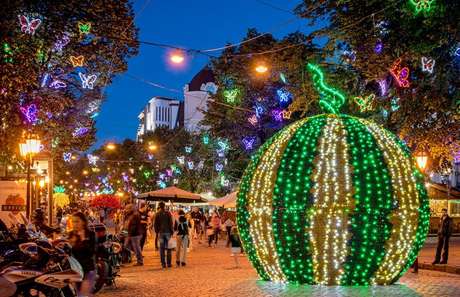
(228, 227)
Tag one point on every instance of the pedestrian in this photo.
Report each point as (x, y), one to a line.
(236, 245)
(133, 240)
(182, 227)
(164, 228)
(445, 229)
(143, 213)
(83, 242)
(215, 225)
(228, 227)
(59, 214)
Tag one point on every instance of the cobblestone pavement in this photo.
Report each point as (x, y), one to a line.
(428, 252)
(209, 272)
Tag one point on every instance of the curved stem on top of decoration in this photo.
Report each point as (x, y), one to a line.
(331, 99)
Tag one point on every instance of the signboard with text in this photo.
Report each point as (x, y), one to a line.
(12, 202)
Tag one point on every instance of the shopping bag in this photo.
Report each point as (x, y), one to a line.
(172, 243)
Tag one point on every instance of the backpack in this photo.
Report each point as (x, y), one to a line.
(182, 228)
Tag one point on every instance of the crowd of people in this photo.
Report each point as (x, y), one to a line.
(174, 230)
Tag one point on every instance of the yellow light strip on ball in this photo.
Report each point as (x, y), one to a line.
(333, 196)
(260, 200)
(404, 219)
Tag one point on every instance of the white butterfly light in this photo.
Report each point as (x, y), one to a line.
(428, 64)
(87, 81)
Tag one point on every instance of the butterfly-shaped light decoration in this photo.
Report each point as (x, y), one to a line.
(395, 104)
(80, 131)
(231, 96)
(350, 56)
(248, 142)
(181, 160)
(62, 42)
(366, 103)
(29, 26)
(57, 84)
(283, 78)
(253, 120)
(30, 112)
(223, 181)
(383, 86)
(188, 149)
(277, 115)
(200, 165)
(219, 167)
(283, 95)
(209, 87)
(84, 28)
(222, 145)
(286, 114)
(378, 48)
(162, 176)
(190, 165)
(67, 157)
(92, 159)
(428, 64)
(175, 181)
(77, 61)
(259, 109)
(400, 74)
(169, 172)
(422, 5)
(87, 81)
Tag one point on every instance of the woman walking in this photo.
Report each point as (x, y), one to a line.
(83, 243)
(182, 227)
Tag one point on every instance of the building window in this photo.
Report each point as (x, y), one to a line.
(455, 208)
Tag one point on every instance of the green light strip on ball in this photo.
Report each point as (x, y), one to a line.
(291, 202)
(370, 227)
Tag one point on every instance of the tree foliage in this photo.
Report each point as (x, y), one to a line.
(364, 39)
(37, 67)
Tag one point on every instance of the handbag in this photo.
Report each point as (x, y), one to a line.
(172, 243)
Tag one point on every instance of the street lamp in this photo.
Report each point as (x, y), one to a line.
(261, 68)
(27, 150)
(177, 57)
(152, 147)
(422, 160)
(110, 146)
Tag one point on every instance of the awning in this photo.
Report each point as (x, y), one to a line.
(442, 192)
(172, 194)
(228, 201)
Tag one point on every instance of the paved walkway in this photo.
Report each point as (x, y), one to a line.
(209, 272)
(428, 252)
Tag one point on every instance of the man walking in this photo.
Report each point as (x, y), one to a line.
(143, 213)
(164, 228)
(133, 241)
(444, 233)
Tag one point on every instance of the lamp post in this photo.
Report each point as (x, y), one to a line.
(422, 160)
(27, 150)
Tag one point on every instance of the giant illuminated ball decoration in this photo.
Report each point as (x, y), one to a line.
(332, 199)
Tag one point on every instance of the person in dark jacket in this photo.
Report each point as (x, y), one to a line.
(444, 233)
(182, 227)
(83, 243)
(144, 215)
(133, 240)
(164, 228)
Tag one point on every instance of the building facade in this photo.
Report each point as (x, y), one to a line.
(160, 112)
(196, 96)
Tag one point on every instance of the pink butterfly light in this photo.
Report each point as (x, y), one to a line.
(29, 26)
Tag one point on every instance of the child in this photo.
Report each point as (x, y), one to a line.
(236, 245)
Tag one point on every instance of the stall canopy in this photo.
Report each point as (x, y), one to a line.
(228, 201)
(172, 194)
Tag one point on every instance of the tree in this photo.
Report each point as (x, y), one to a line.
(57, 56)
(249, 107)
(369, 44)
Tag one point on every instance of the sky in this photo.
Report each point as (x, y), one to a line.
(197, 24)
